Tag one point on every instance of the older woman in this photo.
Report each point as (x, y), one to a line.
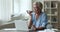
(38, 18)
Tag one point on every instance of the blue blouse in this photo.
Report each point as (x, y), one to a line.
(41, 21)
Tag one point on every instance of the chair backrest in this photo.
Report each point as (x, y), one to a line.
(46, 26)
(49, 26)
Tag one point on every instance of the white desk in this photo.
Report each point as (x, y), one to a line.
(22, 25)
(47, 30)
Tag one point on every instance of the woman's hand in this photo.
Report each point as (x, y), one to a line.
(40, 28)
(34, 28)
(29, 12)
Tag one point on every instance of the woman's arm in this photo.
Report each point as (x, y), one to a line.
(40, 28)
(30, 24)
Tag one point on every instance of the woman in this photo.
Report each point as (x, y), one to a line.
(38, 18)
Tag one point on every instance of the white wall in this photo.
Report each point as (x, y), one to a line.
(16, 7)
(20, 7)
(5, 10)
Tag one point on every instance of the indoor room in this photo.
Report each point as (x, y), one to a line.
(15, 15)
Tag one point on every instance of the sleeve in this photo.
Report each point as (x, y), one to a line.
(44, 20)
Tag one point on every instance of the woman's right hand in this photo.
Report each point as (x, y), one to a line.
(29, 12)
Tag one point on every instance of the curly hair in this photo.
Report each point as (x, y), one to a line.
(38, 3)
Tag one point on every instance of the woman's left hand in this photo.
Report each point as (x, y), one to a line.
(34, 29)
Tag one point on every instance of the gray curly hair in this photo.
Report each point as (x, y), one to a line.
(38, 3)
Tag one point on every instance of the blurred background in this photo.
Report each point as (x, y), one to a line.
(13, 15)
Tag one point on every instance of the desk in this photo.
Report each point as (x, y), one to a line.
(46, 30)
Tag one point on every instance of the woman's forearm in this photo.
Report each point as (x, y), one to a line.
(40, 28)
(30, 23)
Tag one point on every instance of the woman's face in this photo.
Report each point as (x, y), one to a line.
(36, 7)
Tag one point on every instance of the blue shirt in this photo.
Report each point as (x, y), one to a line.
(41, 21)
